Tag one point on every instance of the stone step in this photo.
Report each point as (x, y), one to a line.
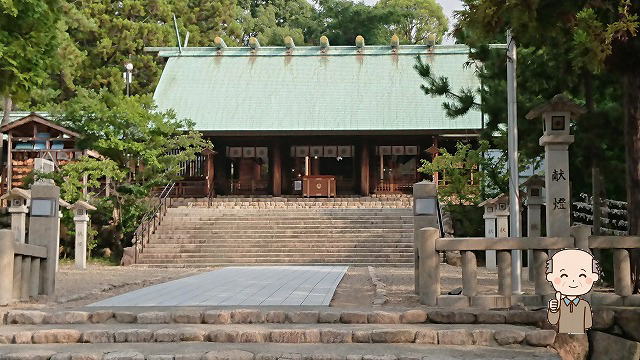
(295, 212)
(278, 314)
(294, 243)
(287, 227)
(434, 334)
(176, 248)
(318, 254)
(213, 265)
(271, 351)
(279, 221)
(268, 260)
(284, 232)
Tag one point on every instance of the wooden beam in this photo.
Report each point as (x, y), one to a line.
(364, 169)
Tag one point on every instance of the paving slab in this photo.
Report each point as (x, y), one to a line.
(241, 285)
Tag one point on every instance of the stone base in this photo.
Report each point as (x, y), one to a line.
(602, 299)
(453, 301)
(527, 300)
(490, 301)
(612, 347)
(633, 300)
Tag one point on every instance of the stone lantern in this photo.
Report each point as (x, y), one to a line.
(18, 201)
(556, 115)
(534, 203)
(81, 218)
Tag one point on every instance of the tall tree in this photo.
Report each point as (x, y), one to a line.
(28, 43)
(416, 20)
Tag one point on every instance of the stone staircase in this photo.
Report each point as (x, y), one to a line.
(261, 231)
(273, 333)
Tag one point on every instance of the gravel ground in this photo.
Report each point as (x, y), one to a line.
(356, 288)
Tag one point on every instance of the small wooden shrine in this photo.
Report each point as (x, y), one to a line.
(35, 137)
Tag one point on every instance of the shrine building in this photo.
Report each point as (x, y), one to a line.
(353, 114)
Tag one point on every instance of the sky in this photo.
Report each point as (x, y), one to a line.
(448, 6)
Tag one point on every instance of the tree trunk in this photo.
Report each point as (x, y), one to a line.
(8, 104)
(632, 147)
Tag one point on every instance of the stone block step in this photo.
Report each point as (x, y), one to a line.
(213, 244)
(205, 265)
(279, 314)
(182, 249)
(262, 222)
(293, 212)
(434, 334)
(152, 255)
(249, 261)
(280, 232)
(271, 351)
(283, 227)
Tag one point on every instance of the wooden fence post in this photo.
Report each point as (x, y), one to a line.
(429, 288)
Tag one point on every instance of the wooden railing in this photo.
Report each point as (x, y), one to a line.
(429, 244)
(23, 270)
(385, 186)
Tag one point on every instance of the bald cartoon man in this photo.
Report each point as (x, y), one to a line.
(572, 273)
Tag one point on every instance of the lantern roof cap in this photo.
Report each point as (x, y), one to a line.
(534, 180)
(559, 102)
(82, 205)
(17, 193)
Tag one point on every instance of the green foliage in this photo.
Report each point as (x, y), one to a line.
(342, 20)
(458, 169)
(142, 149)
(415, 20)
(27, 45)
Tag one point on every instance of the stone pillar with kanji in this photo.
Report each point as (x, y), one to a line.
(556, 138)
(81, 218)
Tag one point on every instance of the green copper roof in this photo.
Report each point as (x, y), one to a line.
(342, 88)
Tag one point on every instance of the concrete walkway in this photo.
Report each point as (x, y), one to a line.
(240, 285)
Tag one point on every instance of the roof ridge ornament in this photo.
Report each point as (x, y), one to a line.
(253, 43)
(324, 43)
(219, 43)
(431, 39)
(288, 42)
(395, 41)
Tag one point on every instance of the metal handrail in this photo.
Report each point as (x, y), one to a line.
(151, 220)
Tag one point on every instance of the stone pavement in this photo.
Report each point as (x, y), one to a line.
(266, 285)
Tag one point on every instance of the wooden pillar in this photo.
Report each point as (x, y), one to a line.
(208, 172)
(276, 171)
(364, 170)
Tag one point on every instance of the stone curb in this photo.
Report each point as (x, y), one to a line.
(253, 316)
(481, 337)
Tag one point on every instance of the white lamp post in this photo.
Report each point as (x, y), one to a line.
(127, 75)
